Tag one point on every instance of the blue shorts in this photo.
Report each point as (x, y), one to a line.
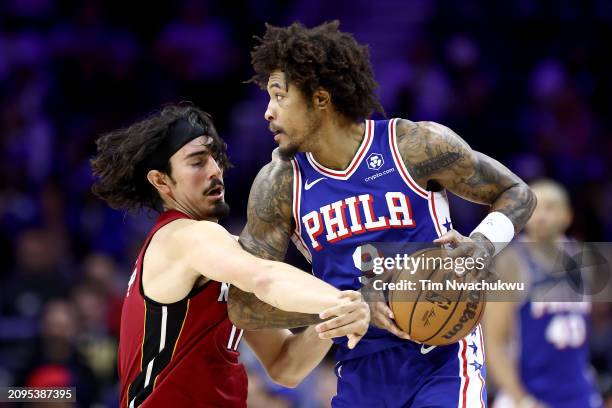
(413, 375)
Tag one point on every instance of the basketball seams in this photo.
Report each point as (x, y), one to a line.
(457, 321)
(450, 315)
(417, 300)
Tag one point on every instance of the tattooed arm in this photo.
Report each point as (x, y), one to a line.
(437, 157)
(266, 235)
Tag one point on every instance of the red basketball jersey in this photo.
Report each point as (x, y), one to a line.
(181, 354)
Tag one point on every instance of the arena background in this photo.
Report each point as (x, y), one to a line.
(527, 82)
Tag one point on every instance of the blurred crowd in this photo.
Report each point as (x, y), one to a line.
(527, 83)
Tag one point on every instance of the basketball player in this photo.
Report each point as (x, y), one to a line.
(549, 334)
(339, 181)
(177, 346)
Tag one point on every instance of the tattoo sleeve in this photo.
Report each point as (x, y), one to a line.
(267, 235)
(433, 153)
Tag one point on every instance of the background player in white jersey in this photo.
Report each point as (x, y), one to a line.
(537, 347)
(321, 90)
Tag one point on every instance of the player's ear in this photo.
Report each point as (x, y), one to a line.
(568, 218)
(321, 99)
(160, 181)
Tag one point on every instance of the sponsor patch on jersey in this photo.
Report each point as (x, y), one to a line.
(375, 161)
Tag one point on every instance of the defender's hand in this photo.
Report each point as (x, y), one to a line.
(352, 319)
(382, 317)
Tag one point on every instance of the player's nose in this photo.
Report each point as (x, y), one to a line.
(215, 170)
(269, 113)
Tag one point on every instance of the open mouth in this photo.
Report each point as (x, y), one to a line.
(277, 135)
(275, 131)
(216, 191)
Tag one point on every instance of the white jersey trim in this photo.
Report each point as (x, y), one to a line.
(437, 201)
(433, 213)
(472, 383)
(439, 210)
(164, 321)
(296, 238)
(399, 162)
(484, 364)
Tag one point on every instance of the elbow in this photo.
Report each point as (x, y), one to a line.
(285, 370)
(532, 201)
(239, 309)
(262, 285)
(236, 316)
(282, 376)
(263, 280)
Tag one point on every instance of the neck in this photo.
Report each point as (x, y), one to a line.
(337, 142)
(187, 211)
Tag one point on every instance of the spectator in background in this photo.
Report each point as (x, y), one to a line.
(101, 271)
(94, 341)
(37, 277)
(54, 356)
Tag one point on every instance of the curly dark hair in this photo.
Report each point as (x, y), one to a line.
(324, 57)
(122, 164)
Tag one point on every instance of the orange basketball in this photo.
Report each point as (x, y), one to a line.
(435, 313)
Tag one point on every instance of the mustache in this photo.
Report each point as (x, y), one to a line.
(214, 184)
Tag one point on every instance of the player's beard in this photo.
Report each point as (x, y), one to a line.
(220, 210)
(313, 123)
(289, 151)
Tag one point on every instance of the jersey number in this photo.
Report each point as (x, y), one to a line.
(566, 331)
(363, 259)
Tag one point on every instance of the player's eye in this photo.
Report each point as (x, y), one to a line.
(279, 97)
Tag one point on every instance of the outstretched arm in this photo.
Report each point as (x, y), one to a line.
(276, 283)
(267, 235)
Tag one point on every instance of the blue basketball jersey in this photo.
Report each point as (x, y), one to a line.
(337, 214)
(553, 348)
(373, 200)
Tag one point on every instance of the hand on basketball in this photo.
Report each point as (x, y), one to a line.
(383, 318)
(476, 247)
(352, 319)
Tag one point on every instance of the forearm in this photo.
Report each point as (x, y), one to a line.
(504, 372)
(266, 236)
(301, 353)
(249, 313)
(435, 154)
(517, 203)
(287, 288)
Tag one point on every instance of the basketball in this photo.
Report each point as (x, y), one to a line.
(442, 309)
